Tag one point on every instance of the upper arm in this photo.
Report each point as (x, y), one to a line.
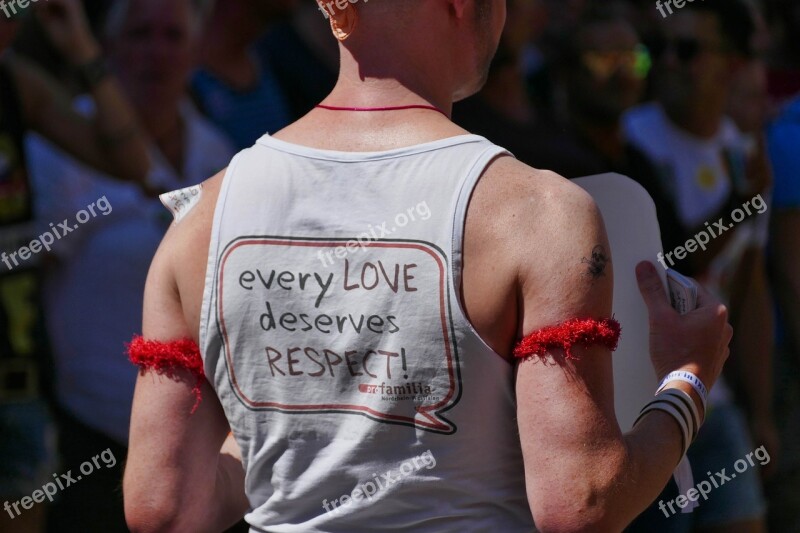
(565, 406)
(172, 450)
(48, 111)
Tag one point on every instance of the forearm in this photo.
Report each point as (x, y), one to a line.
(181, 473)
(120, 142)
(652, 451)
(605, 485)
(225, 503)
(110, 141)
(229, 499)
(217, 508)
(601, 481)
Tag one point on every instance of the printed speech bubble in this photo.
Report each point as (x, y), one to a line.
(351, 334)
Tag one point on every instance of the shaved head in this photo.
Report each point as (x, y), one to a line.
(442, 50)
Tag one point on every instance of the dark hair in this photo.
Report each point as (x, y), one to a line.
(735, 20)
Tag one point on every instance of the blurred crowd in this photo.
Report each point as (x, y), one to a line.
(127, 99)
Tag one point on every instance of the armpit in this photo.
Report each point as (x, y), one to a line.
(584, 332)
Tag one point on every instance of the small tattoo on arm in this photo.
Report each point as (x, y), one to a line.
(597, 263)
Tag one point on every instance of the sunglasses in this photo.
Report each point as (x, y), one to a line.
(685, 49)
(603, 64)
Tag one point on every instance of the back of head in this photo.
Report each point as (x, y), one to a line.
(455, 39)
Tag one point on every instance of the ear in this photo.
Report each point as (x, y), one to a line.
(343, 17)
(459, 7)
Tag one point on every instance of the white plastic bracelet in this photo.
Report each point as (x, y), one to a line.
(687, 377)
(684, 402)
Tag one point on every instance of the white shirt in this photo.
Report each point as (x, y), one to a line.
(359, 393)
(695, 169)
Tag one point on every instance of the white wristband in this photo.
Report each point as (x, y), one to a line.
(687, 377)
(684, 402)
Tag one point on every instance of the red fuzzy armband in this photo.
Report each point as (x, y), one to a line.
(581, 331)
(166, 357)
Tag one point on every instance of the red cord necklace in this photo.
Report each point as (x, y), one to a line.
(392, 108)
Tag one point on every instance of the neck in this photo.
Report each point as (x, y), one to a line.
(701, 117)
(379, 82)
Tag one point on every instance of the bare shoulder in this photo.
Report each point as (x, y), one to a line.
(177, 275)
(523, 194)
(195, 227)
(552, 234)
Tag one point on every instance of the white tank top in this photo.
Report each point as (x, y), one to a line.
(332, 332)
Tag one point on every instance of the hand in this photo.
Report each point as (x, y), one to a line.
(68, 30)
(696, 342)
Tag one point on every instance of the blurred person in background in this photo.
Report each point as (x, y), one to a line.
(784, 150)
(783, 17)
(93, 288)
(701, 156)
(303, 55)
(748, 107)
(33, 43)
(31, 101)
(504, 113)
(556, 19)
(603, 75)
(237, 91)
